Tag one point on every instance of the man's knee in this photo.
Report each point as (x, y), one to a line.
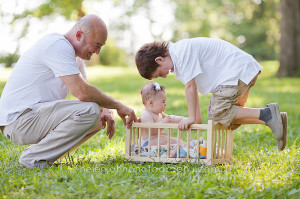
(94, 111)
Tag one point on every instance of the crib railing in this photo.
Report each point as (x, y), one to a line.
(219, 142)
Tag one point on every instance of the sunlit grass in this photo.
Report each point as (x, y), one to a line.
(98, 168)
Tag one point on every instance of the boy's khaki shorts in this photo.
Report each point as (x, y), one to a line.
(226, 99)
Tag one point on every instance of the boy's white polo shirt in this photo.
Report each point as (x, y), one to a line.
(211, 62)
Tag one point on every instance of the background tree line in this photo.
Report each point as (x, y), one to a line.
(266, 29)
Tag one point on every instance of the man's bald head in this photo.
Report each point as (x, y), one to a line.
(90, 23)
(87, 36)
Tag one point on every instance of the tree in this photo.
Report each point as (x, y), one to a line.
(290, 39)
(252, 25)
(70, 9)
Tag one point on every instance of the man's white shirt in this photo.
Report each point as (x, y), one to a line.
(36, 76)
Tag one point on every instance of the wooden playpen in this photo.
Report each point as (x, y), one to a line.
(218, 137)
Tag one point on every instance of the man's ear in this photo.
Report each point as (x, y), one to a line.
(79, 35)
(159, 59)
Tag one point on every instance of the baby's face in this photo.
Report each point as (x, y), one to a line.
(159, 102)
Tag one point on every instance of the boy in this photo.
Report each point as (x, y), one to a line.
(214, 66)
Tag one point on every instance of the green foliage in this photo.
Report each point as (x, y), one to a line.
(112, 55)
(9, 60)
(254, 27)
(70, 9)
(98, 168)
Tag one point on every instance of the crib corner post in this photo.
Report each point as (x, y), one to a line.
(127, 143)
(229, 134)
(210, 138)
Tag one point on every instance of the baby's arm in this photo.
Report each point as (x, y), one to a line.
(171, 118)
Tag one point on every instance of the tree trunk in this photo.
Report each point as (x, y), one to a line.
(290, 38)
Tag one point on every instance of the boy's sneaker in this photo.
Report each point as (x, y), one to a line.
(275, 123)
(282, 143)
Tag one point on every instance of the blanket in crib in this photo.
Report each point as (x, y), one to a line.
(163, 150)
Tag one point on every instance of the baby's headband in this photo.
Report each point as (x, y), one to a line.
(157, 87)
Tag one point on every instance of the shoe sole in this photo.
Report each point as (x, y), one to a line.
(282, 143)
(24, 166)
(277, 112)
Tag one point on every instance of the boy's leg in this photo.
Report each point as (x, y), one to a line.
(272, 117)
(55, 127)
(226, 107)
(247, 121)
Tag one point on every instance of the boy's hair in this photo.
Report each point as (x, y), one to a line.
(145, 57)
(150, 90)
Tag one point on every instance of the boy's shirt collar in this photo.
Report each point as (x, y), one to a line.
(175, 60)
(171, 48)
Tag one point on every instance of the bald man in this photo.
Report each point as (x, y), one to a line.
(33, 106)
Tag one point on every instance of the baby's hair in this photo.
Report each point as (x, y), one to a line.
(150, 90)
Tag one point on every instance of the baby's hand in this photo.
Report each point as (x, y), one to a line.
(167, 119)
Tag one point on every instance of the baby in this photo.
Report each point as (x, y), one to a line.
(154, 100)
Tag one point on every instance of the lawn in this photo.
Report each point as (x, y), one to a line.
(98, 168)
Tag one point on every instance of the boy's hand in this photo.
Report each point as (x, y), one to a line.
(185, 124)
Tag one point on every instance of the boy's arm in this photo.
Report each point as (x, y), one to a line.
(198, 111)
(194, 109)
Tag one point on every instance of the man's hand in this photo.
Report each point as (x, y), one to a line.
(185, 124)
(107, 117)
(125, 111)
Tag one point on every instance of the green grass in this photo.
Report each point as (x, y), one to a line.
(98, 169)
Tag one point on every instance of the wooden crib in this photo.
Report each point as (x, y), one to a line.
(218, 137)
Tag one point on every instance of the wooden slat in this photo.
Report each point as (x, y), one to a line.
(178, 140)
(149, 141)
(158, 147)
(229, 143)
(139, 140)
(133, 135)
(168, 144)
(222, 141)
(218, 143)
(198, 145)
(188, 143)
(210, 141)
(128, 142)
(167, 125)
(226, 140)
(214, 144)
(172, 160)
